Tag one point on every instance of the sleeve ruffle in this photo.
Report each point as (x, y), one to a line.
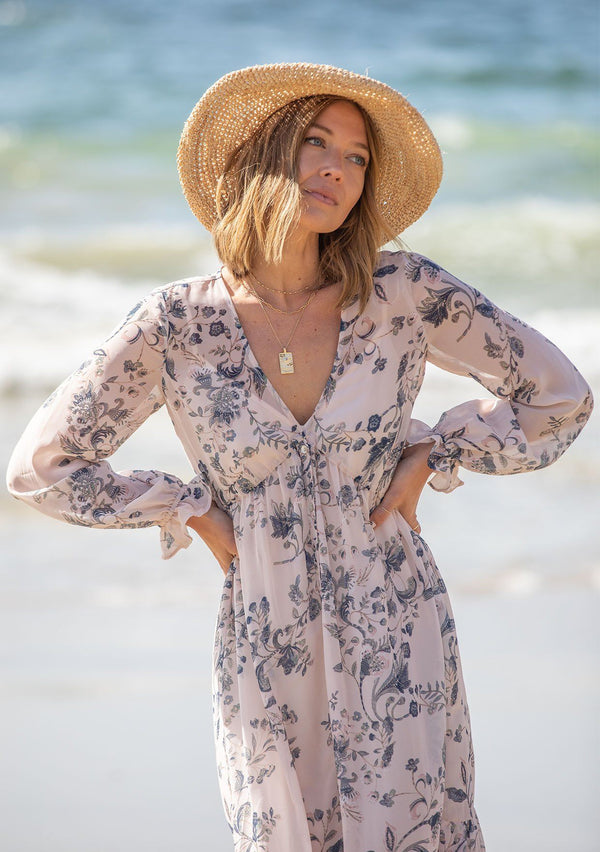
(439, 460)
(192, 500)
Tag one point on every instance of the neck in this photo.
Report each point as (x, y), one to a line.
(298, 267)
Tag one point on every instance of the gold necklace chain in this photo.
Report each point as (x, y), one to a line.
(286, 358)
(251, 290)
(274, 290)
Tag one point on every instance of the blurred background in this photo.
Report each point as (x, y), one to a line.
(105, 651)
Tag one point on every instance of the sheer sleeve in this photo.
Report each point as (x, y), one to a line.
(59, 466)
(542, 402)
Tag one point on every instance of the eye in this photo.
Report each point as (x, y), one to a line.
(319, 142)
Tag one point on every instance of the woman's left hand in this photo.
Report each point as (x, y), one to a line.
(408, 481)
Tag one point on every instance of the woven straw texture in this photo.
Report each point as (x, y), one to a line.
(235, 106)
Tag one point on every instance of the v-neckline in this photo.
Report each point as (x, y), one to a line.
(345, 320)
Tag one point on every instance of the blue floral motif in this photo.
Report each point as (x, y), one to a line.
(217, 328)
(283, 520)
(224, 406)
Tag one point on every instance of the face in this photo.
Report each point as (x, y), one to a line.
(331, 166)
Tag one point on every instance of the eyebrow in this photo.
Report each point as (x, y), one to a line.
(327, 130)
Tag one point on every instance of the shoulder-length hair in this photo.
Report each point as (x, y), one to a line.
(259, 204)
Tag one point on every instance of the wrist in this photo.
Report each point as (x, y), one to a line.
(200, 522)
(417, 456)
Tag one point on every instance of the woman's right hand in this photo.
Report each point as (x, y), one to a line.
(215, 528)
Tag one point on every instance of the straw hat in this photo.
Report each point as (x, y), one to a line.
(237, 104)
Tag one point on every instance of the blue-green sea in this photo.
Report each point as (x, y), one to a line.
(93, 98)
(105, 650)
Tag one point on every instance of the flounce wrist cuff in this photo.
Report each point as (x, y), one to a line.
(441, 459)
(192, 499)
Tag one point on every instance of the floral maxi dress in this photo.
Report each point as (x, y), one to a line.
(341, 721)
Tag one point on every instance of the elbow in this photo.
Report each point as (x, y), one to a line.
(584, 399)
(567, 404)
(585, 407)
(32, 469)
(16, 476)
(20, 481)
(577, 406)
(577, 411)
(584, 402)
(590, 399)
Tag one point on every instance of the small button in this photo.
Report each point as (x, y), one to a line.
(303, 449)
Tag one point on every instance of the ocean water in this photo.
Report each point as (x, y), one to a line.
(100, 632)
(94, 96)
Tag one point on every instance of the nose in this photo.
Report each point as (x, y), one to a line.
(332, 168)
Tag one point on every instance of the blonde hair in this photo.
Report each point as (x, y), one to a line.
(259, 204)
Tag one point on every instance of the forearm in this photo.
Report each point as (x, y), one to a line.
(415, 456)
(215, 528)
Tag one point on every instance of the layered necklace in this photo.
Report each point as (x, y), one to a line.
(286, 358)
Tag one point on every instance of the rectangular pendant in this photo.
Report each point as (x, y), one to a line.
(286, 362)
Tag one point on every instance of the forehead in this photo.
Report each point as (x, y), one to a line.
(342, 113)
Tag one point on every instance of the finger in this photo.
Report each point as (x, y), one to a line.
(380, 514)
(414, 524)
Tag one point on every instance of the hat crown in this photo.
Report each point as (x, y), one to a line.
(233, 108)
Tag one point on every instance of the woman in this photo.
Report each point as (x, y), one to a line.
(341, 720)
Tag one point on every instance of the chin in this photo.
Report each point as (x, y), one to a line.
(320, 225)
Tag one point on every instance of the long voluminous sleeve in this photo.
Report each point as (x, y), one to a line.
(59, 466)
(542, 402)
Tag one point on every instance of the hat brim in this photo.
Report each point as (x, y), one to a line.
(237, 104)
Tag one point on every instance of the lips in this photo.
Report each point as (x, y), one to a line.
(320, 195)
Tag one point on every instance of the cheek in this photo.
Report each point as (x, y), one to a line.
(356, 188)
(306, 163)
